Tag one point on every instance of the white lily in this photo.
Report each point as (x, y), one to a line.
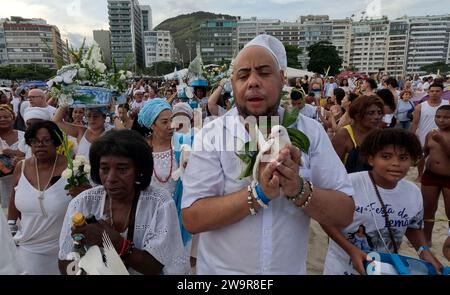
(122, 77)
(129, 75)
(87, 168)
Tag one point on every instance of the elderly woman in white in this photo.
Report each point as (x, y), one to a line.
(141, 220)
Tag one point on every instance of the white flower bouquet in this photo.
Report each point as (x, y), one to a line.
(78, 169)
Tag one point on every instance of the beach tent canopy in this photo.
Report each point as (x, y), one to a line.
(295, 73)
(176, 75)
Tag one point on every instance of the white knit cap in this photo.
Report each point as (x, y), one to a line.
(183, 108)
(274, 46)
(37, 113)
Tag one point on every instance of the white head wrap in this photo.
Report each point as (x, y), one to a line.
(274, 46)
(184, 108)
(37, 113)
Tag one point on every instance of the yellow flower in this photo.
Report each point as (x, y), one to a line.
(60, 149)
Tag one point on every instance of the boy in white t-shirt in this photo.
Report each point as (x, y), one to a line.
(387, 207)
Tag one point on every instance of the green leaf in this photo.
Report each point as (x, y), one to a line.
(299, 139)
(290, 117)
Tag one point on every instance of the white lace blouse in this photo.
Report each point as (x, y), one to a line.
(157, 230)
(161, 162)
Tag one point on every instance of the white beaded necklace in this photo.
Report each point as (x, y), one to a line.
(41, 193)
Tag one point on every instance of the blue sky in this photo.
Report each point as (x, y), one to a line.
(77, 18)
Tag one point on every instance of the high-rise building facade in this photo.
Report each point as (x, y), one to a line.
(147, 18)
(249, 28)
(125, 22)
(369, 45)
(3, 52)
(32, 41)
(103, 39)
(397, 47)
(159, 46)
(218, 40)
(429, 42)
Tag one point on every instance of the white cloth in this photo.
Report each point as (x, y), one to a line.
(405, 210)
(161, 165)
(9, 261)
(15, 103)
(84, 146)
(427, 123)
(37, 113)
(157, 230)
(38, 235)
(24, 108)
(329, 89)
(6, 181)
(274, 241)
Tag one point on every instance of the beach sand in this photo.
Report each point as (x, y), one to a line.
(318, 240)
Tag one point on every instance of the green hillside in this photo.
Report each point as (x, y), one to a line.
(185, 30)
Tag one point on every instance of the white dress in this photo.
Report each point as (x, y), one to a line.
(37, 237)
(161, 164)
(156, 227)
(9, 262)
(6, 181)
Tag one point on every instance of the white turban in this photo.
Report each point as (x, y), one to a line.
(183, 108)
(37, 113)
(274, 46)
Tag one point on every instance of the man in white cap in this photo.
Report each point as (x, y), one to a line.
(260, 226)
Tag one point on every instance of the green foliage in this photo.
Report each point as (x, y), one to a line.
(433, 68)
(293, 52)
(161, 68)
(185, 30)
(323, 56)
(26, 72)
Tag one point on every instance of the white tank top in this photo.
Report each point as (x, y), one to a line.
(84, 146)
(37, 233)
(426, 123)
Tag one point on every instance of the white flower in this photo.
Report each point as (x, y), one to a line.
(67, 174)
(50, 83)
(129, 75)
(76, 164)
(68, 80)
(82, 73)
(81, 158)
(122, 77)
(58, 79)
(87, 168)
(100, 67)
(121, 72)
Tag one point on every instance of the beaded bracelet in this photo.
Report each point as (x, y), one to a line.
(256, 196)
(250, 201)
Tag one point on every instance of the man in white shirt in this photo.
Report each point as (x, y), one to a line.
(329, 87)
(221, 207)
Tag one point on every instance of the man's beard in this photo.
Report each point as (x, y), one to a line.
(272, 110)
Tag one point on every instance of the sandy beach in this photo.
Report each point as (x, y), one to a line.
(318, 240)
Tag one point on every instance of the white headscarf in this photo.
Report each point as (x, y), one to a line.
(37, 113)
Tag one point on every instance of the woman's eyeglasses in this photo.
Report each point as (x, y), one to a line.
(45, 142)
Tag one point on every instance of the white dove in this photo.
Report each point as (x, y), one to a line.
(270, 149)
(185, 151)
(92, 262)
